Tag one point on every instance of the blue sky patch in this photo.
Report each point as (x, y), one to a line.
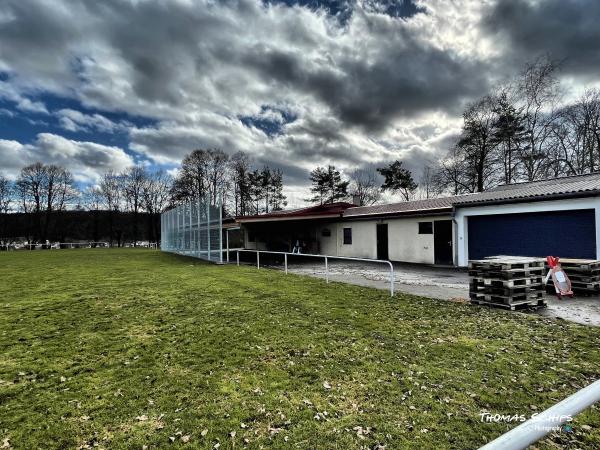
(270, 120)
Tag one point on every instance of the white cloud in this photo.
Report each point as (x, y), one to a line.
(86, 160)
(368, 90)
(73, 120)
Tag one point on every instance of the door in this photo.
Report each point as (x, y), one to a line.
(442, 242)
(382, 241)
(567, 234)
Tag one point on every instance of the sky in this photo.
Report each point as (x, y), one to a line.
(99, 85)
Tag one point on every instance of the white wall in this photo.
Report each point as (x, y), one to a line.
(404, 241)
(462, 215)
(364, 239)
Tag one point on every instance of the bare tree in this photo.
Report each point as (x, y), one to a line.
(203, 174)
(577, 135)
(43, 190)
(134, 180)
(156, 190)
(110, 188)
(365, 186)
(427, 184)
(6, 192)
(240, 169)
(539, 90)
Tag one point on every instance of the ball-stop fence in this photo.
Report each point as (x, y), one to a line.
(193, 229)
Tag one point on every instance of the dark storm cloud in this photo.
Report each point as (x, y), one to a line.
(405, 78)
(567, 30)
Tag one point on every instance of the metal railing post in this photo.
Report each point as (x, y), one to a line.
(238, 257)
(391, 279)
(257, 259)
(326, 271)
(285, 262)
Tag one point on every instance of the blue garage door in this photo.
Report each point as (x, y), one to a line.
(568, 234)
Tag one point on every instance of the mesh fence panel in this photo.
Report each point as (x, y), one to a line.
(193, 229)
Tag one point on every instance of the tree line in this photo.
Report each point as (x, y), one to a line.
(524, 130)
(125, 206)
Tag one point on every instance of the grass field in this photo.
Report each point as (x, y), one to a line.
(133, 348)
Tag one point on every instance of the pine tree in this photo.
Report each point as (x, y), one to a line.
(509, 133)
(398, 179)
(328, 185)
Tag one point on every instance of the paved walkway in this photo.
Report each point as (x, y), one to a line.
(442, 283)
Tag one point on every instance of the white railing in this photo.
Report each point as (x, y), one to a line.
(540, 425)
(325, 257)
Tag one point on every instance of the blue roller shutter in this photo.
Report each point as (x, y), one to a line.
(568, 234)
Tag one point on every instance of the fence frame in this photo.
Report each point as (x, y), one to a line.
(180, 235)
(325, 257)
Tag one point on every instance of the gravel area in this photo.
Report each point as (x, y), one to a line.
(439, 282)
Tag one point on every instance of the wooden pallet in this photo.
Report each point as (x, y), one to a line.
(490, 281)
(504, 298)
(501, 264)
(580, 264)
(525, 304)
(584, 279)
(505, 291)
(511, 274)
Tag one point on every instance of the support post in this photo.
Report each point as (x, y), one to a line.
(391, 279)
(326, 270)
(208, 228)
(285, 262)
(220, 207)
(227, 243)
(238, 258)
(258, 260)
(190, 228)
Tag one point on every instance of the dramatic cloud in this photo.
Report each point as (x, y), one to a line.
(295, 83)
(567, 30)
(86, 160)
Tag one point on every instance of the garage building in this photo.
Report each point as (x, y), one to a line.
(557, 216)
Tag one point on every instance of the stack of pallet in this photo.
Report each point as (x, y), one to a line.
(507, 282)
(584, 275)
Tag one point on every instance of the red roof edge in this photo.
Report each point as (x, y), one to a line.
(328, 209)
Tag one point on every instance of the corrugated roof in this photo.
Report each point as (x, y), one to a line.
(538, 190)
(414, 206)
(565, 187)
(326, 210)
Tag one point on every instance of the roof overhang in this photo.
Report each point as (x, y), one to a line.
(283, 218)
(401, 214)
(563, 196)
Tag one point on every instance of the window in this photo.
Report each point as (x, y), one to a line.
(325, 232)
(348, 236)
(425, 227)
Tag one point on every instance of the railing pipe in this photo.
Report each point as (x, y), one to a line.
(327, 258)
(540, 425)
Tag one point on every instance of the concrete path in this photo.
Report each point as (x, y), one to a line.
(442, 283)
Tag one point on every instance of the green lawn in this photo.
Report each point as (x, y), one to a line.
(132, 348)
